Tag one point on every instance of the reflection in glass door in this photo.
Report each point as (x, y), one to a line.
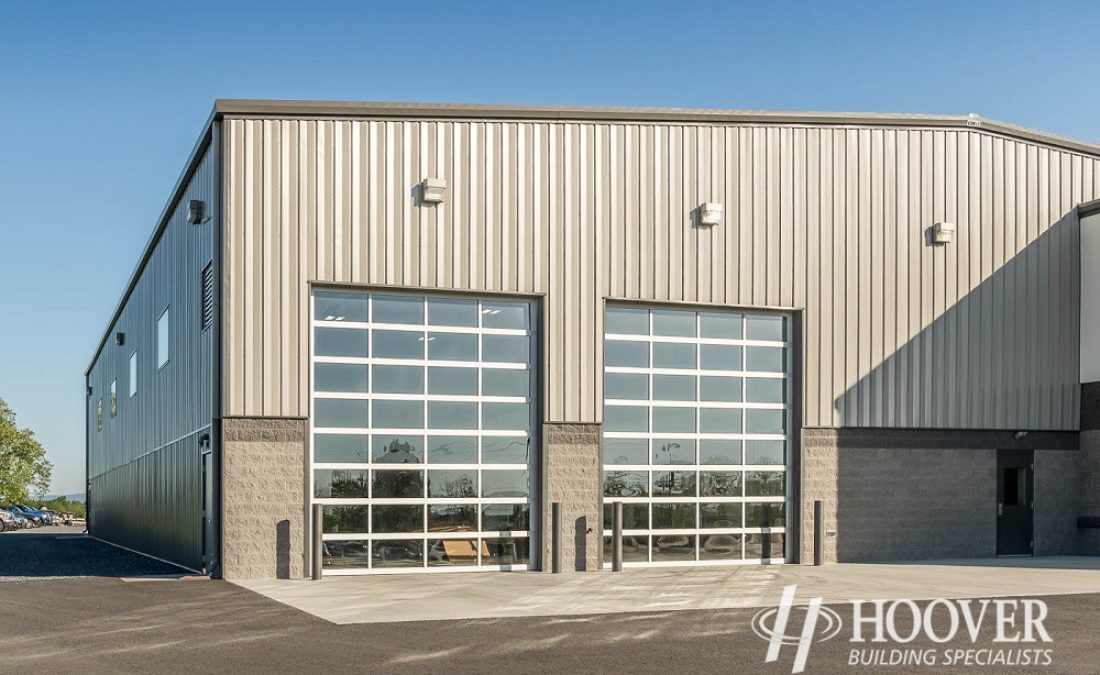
(423, 449)
(696, 435)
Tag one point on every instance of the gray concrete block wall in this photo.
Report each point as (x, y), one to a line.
(571, 461)
(264, 491)
(819, 482)
(1057, 501)
(1089, 539)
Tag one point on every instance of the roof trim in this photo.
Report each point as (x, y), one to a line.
(345, 109)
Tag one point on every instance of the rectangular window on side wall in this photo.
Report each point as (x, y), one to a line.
(162, 339)
(99, 415)
(133, 374)
(207, 319)
(114, 398)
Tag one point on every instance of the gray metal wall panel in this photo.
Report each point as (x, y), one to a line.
(831, 220)
(156, 430)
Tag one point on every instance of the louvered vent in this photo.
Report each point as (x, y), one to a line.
(207, 297)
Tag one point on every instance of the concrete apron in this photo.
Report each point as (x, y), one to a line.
(433, 597)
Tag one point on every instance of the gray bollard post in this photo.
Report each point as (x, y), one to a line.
(819, 532)
(315, 566)
(617, 537)
(555, 537)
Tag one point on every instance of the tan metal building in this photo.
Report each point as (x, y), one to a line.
(438, 320)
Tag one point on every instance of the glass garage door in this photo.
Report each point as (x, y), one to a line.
(422, 444)
(695, 435)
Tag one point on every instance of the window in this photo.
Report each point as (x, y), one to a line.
(133, 374)
(207, 318)
(162, 339)
(99, 415)
(114, 398)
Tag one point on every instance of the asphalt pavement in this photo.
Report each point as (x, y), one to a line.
(107, 625)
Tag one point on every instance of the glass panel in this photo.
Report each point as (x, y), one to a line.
(635, 516)
(452, 415)
(619, 353)
(340, 377)
(764, 327)
(505, 382)
(341, 448)
(765, 546)
(452, 381)
(343, 554)
(673, 355)
(626, 483)
(398, 309)
(719, 452)
(629, 386)
(674, 387)
(673, 322)
(341, 483)
(721, 514)
(506, 551)
(505, 483)
(623, 418)
(504, 314)
(626, 321)
(452, 346)
(765, 483)
(720, 357)
(398, 484)
(765, 452)
(720, 421)
(673, 516)
(765, 421)
(346, 519)
(667, 420)
(506, 348)
(398, 449)
(505, 517)
(397, 553)
(765, 389)
(625, 451)
(673, 452)
(674, 548)
(398, 344)
(452, 552)
(720, 547)
(452, 449)
(505, 416)
(720, 325)
(341, 342)
(635, 549)
(452, 483)
(398, 414)
(338, 306)
(452, 312)
(725, 389)
(398, 379)
(720, 483)
(769, 514)
(673, 484)
(764, 359)
(341, 414)
(504, 450)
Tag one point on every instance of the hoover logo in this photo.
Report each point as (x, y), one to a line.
(771, 625)
(883, 630)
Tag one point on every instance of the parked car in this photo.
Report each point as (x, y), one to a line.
(54, 519)
(7, 521)
(34, 516)
(18, 522)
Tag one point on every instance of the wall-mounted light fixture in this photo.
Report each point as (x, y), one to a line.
(89, 392)
(943, 233)
(433, 190)
(710, 213)
(120, 338)
(195, 209)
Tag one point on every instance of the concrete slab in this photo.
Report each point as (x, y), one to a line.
(427, 597)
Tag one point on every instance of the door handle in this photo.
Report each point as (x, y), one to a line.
(1000, 509)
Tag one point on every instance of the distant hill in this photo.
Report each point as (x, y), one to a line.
(78, 497)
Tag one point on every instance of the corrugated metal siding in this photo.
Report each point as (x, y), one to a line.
(143, 465)
(832, 220)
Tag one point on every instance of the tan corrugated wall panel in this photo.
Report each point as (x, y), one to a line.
(829, 220)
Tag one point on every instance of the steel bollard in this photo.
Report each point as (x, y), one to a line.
(555, 537)
(315, 566)
(617, 537)
(819, 532)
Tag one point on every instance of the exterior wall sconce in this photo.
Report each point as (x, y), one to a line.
(710, 213)
(433, 190)
(120, 339)
(195, 209)
(943, 233)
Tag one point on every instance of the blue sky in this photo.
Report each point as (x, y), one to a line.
(103, 100)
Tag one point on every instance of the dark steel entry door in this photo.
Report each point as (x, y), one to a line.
(1015, 499)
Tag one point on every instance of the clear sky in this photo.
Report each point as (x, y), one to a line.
(102, 101)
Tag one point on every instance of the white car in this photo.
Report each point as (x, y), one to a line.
(7, 521)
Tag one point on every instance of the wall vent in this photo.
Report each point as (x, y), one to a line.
(208, 296)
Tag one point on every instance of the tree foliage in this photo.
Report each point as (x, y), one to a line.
(23, 466)
(61, 505)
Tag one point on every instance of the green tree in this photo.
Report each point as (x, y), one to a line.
(23, 465)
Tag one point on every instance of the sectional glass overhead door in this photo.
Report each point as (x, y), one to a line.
(423, 445)
(696, 444)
